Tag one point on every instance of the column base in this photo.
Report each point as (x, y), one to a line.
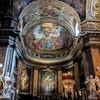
(3, 98)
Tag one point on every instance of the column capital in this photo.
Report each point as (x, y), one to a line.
(11, 41)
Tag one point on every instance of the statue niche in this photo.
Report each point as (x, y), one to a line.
(24, 80)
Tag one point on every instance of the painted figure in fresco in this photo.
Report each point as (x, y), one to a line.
(24, 80)
(93, 82)
(50, 44)
(46, 36)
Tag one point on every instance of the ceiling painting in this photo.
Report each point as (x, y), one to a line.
(78, 5)
(47, 36)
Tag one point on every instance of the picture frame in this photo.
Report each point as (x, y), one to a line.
(26, 76)
(47, 82)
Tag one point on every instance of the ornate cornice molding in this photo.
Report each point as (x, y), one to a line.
(90, 25)
(91, 39)
(49, 61)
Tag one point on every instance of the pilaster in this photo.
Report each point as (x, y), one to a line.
(9, 56)
(91, 34)
(35, 83)
(76, 73)
(60, 85)
(96, 60)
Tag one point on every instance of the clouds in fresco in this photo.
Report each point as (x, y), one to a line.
(47, 36)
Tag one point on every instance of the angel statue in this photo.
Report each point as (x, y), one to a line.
(7, 85)
(93, 82)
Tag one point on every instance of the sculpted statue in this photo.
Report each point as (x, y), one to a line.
(93, 82)
(24, 80)
(7, 85)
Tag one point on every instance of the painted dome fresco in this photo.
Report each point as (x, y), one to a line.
(47, 37)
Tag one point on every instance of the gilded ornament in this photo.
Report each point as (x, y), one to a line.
(97, 16)
(97, 5)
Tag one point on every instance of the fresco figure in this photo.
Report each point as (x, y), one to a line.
(24, 80)
(47, 36)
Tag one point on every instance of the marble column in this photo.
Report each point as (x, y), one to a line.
(60, 85)
(86, 67)
(35, 83)
(76, 73)
(9, 65)
(9, 56)
(96, 60)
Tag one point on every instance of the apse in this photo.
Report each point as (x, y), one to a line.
(47, 30)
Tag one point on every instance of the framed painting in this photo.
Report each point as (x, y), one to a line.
(25, 80)
(47, 82)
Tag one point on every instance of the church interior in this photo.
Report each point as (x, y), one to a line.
(50, 49)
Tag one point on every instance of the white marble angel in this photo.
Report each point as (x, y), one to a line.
(8, 83)
(93, 82)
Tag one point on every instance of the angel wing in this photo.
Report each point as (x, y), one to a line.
(97, 81)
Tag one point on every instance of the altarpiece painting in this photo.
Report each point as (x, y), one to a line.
(48, 83)
(25, 86)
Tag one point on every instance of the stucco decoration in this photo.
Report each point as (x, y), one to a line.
(49, 11)
(93, 10)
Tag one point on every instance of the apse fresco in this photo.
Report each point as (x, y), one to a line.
(47, 36)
